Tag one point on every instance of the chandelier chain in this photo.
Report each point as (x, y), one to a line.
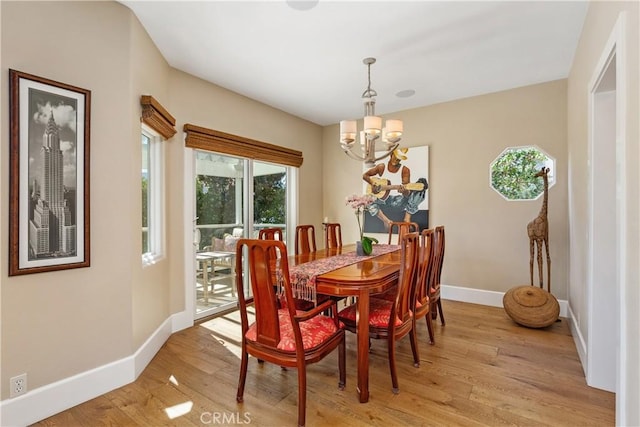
(369, 93)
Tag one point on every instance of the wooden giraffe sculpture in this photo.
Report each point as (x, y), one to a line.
(538, 231)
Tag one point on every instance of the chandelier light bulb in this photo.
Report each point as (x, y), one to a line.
(372, 125)
(393, 130)
(348, 130)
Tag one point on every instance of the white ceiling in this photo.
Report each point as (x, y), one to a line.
(309, 62)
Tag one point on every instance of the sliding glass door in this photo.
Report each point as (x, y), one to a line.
(225, 212)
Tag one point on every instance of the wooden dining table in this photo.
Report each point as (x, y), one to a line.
(364, 278)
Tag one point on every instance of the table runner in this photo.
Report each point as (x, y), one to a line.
(303, 276)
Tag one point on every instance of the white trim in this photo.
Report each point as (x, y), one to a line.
(156, 190)
(48, 400)
(483, 297)
(615, 45)
(189, 253)
(578, 339)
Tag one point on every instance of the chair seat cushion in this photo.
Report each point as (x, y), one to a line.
(314, 331)
(379, 313)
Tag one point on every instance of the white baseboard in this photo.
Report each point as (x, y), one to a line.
(53, 398)
(483, 297)
(48, 400)
(578, 339)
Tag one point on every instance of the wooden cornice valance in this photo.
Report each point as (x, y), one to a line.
(154, 115)
(213, 140)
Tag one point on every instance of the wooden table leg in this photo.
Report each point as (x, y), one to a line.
(205, 279)
(362, 325)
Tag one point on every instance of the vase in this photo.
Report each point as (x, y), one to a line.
(360, 250)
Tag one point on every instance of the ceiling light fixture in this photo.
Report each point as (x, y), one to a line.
(373, 129)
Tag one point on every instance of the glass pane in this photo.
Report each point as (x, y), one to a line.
(145, 192)
(270, 196)
(219, 210)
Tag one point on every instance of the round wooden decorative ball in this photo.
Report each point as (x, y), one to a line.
(531, 306)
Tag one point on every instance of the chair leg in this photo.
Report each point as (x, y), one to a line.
(440, 311)
(243, 376)
(302, 395)
(342, 364)
(392, 365)
(430, 329)
(414, 345)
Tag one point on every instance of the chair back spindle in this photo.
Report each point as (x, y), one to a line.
(402, 228)
(273, 233)
(424, 280)
(332, 235)
(305, 239)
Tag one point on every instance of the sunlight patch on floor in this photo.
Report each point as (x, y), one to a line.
(227, 331)
(179, 410)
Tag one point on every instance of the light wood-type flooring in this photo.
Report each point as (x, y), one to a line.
(484, 370)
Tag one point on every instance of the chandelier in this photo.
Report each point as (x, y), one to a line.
(373, 131)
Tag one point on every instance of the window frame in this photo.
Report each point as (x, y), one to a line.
(155, 198)
(550, 163)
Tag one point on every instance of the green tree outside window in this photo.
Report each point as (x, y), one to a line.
(512, 172)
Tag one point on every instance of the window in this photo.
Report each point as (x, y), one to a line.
(152, 196)
(513, 172)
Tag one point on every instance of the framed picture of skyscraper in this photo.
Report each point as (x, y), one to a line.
(49, 175)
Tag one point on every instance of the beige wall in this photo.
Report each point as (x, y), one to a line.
(598, 26)
(149, 75)
(58, 324)
(487, 244)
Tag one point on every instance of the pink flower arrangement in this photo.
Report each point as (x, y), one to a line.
(360, 201)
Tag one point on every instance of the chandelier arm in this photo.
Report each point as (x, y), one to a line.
(353, 155)
(388, 153)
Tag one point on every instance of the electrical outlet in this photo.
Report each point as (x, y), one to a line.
(18, 385)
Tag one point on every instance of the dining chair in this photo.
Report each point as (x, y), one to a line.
(332, 235)
(305, 239)
(434, 291)
(274, 233)
(424, 280)
(402, 228)
(392, 320)
(283, 336)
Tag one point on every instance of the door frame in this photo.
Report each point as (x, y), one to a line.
(613, 54)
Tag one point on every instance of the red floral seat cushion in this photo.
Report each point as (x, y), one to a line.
(379, 313)
(314, 331)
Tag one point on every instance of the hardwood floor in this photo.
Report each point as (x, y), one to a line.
(484, 370)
